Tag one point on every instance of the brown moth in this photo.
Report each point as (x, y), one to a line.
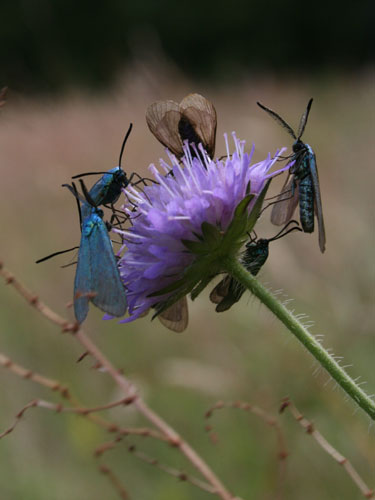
(194, 120)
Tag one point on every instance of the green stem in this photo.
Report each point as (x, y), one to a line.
(235, 269)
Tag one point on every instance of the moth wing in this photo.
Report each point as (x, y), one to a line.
(201, 113)
(105, 277)
(162, 119)
(82, 281)
(176, 317)
(220, 291)
(286, 203)
(226, 293)
(318, 203)
(234, 294)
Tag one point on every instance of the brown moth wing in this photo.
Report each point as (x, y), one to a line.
(202, 115)
(162, 119)
(176, 317)
(285, 205)
(220, 291)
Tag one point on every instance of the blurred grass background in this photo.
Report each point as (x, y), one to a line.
(244, 354)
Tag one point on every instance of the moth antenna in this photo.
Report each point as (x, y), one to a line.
(54, 254)
(123, 143)
(279, 120)
(304, 118)
(87, 173)
(281, 233)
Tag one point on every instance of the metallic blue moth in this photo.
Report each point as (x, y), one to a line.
(97, 277)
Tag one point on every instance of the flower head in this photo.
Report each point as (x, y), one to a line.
(175, 220)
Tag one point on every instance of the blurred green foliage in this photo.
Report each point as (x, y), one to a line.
(46, 46)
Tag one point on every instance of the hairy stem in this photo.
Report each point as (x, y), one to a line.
(235, 269)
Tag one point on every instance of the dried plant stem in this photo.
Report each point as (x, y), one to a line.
(268, 420)
(64, 391)
(59, 408)
(328, 448)
(104, 469)
(259, 412)
(127, 387)
(182, 476)
(354, 391)
(173, 438)
(22, 372)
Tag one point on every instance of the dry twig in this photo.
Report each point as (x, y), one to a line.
(59, 408)
(328, 448)
(22, 372)
(104, 469)
(64, 391)
(269, 420)
(181, 476)
(125, 385)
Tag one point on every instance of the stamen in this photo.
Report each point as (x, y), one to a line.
(165, 166)
(136, 236)
(122, 248)
(161, 180)
(251, 152)
(236, 143)
(181, 171)
(172, 157)
(187, 151)
(179, 217)
(227, 145)
(136, 262)
(205, 156)
(133, 194)
(189, 166)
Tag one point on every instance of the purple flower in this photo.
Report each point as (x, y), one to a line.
(200, 191)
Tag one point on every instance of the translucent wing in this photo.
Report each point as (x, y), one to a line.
(318, 202)
(202, 115)
(226, 293)
(176, 317)
(286, 203)
(220, 291)
(162, 119)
